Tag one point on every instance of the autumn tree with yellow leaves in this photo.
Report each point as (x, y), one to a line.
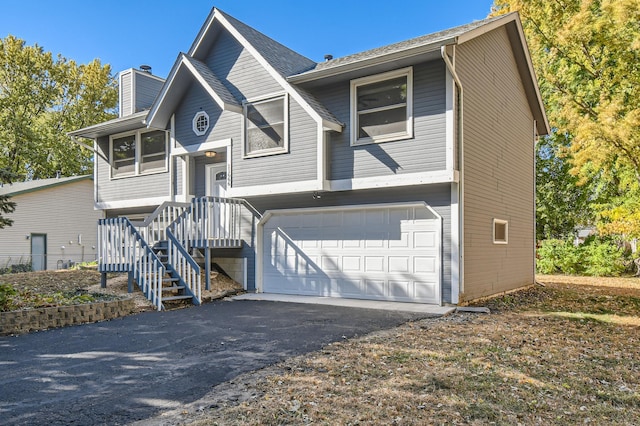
(586, 54)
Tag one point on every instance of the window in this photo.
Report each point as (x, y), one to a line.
(381, 107)
(200, 123)
(266, 127)
(123, 155)
(500, 231)
(138, 153)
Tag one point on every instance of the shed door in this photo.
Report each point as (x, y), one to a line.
(390, 253)
(38, 252)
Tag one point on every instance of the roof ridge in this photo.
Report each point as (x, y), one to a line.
(419, 40)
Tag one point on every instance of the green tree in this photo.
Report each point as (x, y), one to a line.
(41, 99)
(561, 205)
(6, 205)
(586, 54)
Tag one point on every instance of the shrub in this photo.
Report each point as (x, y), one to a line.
(604, 258)
(6, 297)
(596, 256)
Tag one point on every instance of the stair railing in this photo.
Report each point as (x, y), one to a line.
(179, 236)
(153, 228)
(121, 248)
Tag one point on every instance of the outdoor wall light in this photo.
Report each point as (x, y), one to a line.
(210, 154)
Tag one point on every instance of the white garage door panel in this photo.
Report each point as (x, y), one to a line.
(382, 253)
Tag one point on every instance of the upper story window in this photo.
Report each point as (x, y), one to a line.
(200, 123)
(382, 107)
(139, 152)
(266, 127)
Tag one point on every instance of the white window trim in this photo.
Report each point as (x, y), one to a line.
(408, 134)
(195, 120)
(137, 154)
(506, 231)
(272, 151)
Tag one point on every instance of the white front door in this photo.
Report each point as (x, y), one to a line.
(216, 186)
(216, 175)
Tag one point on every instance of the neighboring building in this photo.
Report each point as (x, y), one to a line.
(54, 224)
(402, 173)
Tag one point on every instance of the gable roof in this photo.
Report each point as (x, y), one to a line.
(184, 70)
(282, 59)
(18, 188)
(278, 60)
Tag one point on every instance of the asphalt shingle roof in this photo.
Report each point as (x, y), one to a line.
(34, 185)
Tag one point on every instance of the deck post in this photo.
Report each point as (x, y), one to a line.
(207, 268)
(130, 282)
(103, 280)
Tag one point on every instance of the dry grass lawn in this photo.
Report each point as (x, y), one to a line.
(565, 352)
(554, 354)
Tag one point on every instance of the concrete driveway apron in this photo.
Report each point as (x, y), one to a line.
(129, 369)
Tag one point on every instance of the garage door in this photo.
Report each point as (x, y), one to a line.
(384, 253)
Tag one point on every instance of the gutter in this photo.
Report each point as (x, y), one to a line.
(460, 122)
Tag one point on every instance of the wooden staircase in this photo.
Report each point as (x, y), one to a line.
(157, 253)
(173, 290)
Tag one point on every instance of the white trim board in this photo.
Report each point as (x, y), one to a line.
(407, 179)
(277, 188)
(138, 202)
(205, 146)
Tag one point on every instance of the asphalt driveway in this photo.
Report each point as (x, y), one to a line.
(129, 369)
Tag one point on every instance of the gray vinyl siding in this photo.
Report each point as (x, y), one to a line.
(126, 85)
(299, 164)
(147, 88)
(238, 70)
(127, 188)
(424, 152)
(498, 167)
(222, 124)
(199, 164)
(436, 196)
(62, 212)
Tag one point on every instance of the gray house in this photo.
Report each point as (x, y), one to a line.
(403, 173)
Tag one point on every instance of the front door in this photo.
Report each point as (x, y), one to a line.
(39, 252)
(216, 180)
(216, 186)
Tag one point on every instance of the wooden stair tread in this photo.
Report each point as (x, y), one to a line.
(170, 298)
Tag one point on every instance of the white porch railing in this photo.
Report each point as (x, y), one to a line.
(207, 222)
(216, 222)
(121, 248)
(153, 229)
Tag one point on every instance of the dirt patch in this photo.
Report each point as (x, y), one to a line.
(48, 282)
(547, 355)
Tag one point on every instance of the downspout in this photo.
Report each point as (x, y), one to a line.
(460, 151)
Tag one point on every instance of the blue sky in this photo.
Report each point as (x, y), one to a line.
(129, 33)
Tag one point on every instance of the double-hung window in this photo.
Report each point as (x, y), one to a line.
(381, 107)
(139, 152)
(266, 127)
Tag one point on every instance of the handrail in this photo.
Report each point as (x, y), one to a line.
(121, 248)
(178, 240)
(154, 226)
